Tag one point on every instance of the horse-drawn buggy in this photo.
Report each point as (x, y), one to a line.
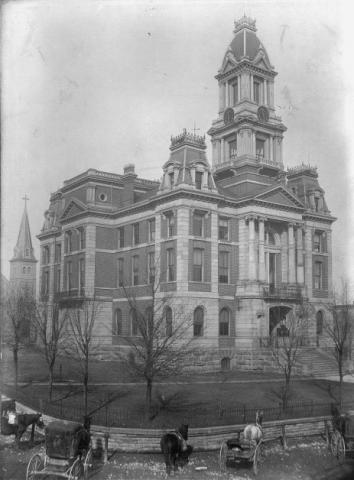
(342, 438)
(68, 452)
(244, 448)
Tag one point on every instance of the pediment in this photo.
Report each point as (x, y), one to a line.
(261, 60)
(73, 208)
(280, 196)
(228, 63)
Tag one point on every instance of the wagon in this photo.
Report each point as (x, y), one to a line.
(68, 453)
(238, 450)
(342, 438)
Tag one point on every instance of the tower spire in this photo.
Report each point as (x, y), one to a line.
(24, 249)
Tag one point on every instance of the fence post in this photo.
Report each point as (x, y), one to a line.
(105, 453)
(283, 437)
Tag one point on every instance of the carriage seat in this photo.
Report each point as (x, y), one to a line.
(240, 444)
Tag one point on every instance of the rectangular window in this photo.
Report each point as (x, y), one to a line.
(171, 265)
(197, 271)
(121, 237)
(235, 92)
(58, 279)
(45, 255)
(198, 180)
(257, 90)
(58, 253)
(152, 228)
(136, 239)
(135, 270)
(224, 267)
(45, 287)
(172, 179)
(171, 225)
(232, 150)
(82, 238)
(120, 272)
(81, 273)
(319, 242)
(223, 229)
(318, 276)
(260, 143)
(198, 224)
(69, 276)
(68, 242)
(151, 267)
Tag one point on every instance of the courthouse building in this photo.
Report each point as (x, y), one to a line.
(239, 241)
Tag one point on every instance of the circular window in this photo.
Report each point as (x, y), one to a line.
(102, 197)
(229, 116)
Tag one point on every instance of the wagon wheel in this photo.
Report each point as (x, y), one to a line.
(34, 466)
(341, 448)
(334, 442)
(77, 470)
(223, 456)
(88, 463)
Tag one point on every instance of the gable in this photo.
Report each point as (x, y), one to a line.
(280, 197)
(262, 64)
(73, 208)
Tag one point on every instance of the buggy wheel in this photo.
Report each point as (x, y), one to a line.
(341, 448)
(77, 470)
(334, 442)
(88, 463)
(34, 466)
(223, 456)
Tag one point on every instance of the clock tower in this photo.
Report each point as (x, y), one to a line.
(247, 133)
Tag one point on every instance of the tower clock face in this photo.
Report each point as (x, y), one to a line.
(229, 116)
(263, 114)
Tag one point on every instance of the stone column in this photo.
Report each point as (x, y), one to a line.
(329, 250)
(214, 253)
(251, 249)
(182, 250)
(251, 86)
(300, 255)
(222, 156)
(271, 148)
(265, 92)
(193, 175)
(261, 265)
(243, 239)
(225, 95)
(308, 260)
(90, 266)
(221, 98)
(205, 179)
(291, 253)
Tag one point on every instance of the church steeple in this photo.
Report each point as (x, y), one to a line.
(247, 131)
(23, 262)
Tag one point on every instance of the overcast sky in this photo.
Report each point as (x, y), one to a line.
(98, 84)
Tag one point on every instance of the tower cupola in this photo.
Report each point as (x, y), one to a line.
(187, 166)
(246, 131)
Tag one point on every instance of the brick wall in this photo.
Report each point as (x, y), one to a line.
(106, 238)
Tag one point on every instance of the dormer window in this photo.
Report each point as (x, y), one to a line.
(234, 92)
(198, 180)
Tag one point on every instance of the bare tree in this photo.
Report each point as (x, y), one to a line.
(50, 321)
(20, 309)
(82, 345)
(338, 327)
(291, 334)
(159, 345)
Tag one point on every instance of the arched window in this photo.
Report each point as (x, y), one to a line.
(168, 317)
(198, 322)
(134, 322)
(225, 364)
(224, 323)
(319, 322)
(117, 323)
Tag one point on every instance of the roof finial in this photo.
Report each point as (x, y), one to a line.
(25, 198)
(195, 128)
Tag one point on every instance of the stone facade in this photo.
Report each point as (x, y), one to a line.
(236, 245)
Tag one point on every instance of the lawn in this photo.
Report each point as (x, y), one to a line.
(199, 400)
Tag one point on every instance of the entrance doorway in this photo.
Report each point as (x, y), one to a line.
(277, 317)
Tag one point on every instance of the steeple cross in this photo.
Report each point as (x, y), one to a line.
(195, 129)
(25, 198)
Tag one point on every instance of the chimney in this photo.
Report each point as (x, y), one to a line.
(128, 178)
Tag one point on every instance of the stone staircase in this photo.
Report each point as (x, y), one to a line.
(317, 362)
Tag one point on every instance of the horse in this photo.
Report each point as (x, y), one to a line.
(24, 420)
(175, 449)
(253, 432)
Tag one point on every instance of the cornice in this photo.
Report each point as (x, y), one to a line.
(247, 66)
(318, 217)
(250, 122)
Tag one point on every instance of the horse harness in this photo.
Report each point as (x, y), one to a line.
(181, 441)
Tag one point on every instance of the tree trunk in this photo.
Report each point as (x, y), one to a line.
(340, 368)
(86, 386)
(51, 376)
(15, 355)
(148, 396)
